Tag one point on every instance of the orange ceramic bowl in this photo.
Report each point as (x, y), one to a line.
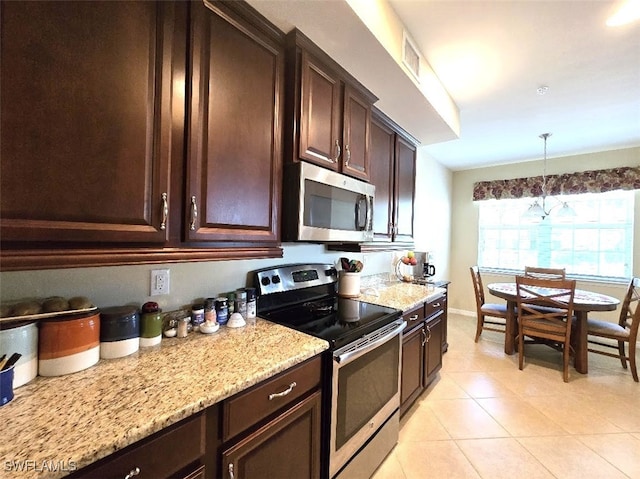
(68, 344)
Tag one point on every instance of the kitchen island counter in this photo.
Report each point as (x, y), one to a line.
(71, 421)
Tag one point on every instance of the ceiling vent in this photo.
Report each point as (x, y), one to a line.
(410, 55)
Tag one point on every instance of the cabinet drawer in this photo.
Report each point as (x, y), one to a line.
(435, 306)
(161, 455)
(248, 408)
(413, 317)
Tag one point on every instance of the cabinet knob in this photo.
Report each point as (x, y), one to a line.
(194, 214)
(132, 473)
(165, 212)
(337, 151)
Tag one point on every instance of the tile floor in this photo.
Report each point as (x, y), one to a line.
(484, 418)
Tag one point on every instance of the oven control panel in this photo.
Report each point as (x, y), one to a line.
(294, 276)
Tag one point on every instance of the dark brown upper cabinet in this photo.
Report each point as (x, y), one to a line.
(86, 120)
(234, 156)
(393, 172)
(328, 111)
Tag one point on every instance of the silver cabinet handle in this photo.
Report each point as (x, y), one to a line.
(413, 318)
(424, 337)
(429, 331)
(132, 473)
(231, 476)
(194, 213)
(337, 150)
(436, 305)
(165, 212)
(346, 148)
(283, 393)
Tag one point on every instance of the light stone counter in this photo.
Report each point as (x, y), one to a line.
(399, 295)
(82, 417)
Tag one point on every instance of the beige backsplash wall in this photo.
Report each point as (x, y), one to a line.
(464, 225)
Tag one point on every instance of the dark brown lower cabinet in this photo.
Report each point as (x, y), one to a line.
(286, 447)
(176, 452)
(421, 351)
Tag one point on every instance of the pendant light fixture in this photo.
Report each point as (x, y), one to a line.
(538, 208)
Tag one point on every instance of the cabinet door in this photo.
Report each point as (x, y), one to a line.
(412, 360)
(405, 186)
(320, 114)
(288, 446)
(356, 135)
(433, 349)
(381, 175)
(234, 161)
(86, 121)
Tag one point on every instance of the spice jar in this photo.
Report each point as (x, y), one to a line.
(241, 302)
(251, 305)
(222, 310)
(183, 327)
(210, 310)
(197, 316)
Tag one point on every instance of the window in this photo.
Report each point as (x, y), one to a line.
(597, 243)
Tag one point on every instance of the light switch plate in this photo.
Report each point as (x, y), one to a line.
(159, 282)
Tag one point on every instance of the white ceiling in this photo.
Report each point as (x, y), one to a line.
(492, 56)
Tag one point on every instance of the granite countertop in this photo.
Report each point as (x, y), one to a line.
(85, 416)
(397, 294)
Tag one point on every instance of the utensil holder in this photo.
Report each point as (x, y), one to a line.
(349, 285)
(6, 386)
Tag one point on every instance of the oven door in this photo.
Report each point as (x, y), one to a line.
(365, 390)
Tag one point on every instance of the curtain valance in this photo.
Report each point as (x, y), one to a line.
(596, 181)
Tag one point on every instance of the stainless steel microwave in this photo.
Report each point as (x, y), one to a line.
(321, 205)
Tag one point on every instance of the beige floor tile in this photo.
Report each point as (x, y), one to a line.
(567, 458)
(480, 385)
(465, 419)
(574, 413)
(443, 388)
(390, 468)
(420, 424)
(622, 450)
(520, 418)
(436, 459)
(502, 458)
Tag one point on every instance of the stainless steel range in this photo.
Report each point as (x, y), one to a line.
(361, 389)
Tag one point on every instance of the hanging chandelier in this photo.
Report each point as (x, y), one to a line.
(539, 208)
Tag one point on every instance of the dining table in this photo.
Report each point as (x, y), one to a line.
(583, 302)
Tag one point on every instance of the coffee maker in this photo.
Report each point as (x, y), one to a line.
(428, 268)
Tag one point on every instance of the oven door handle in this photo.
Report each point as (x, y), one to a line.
(353, 354)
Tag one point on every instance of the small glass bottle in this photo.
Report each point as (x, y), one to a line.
(183, 327)
(251, 305)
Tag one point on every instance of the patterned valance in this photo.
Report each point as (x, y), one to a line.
(596, 181)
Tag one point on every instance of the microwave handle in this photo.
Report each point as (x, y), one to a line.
(369, 218)
(360, 225)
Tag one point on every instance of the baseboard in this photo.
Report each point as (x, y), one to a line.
(462, 312)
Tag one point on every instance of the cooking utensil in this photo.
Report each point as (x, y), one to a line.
(11, 361)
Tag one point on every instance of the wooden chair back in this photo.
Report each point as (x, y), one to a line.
(478, 288)
(545, 273)
(545, 309)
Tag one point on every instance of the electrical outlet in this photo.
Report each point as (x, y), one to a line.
(159, 282)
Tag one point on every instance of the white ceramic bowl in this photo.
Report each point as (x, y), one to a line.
(236, 321)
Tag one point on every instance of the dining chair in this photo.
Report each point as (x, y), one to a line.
(498, 312)
(625, 331)
(543, 308)
(546, 273)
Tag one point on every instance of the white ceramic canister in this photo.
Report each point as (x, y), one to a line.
(21, 337)
(349, 284)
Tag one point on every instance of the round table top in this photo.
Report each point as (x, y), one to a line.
(582, 300)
